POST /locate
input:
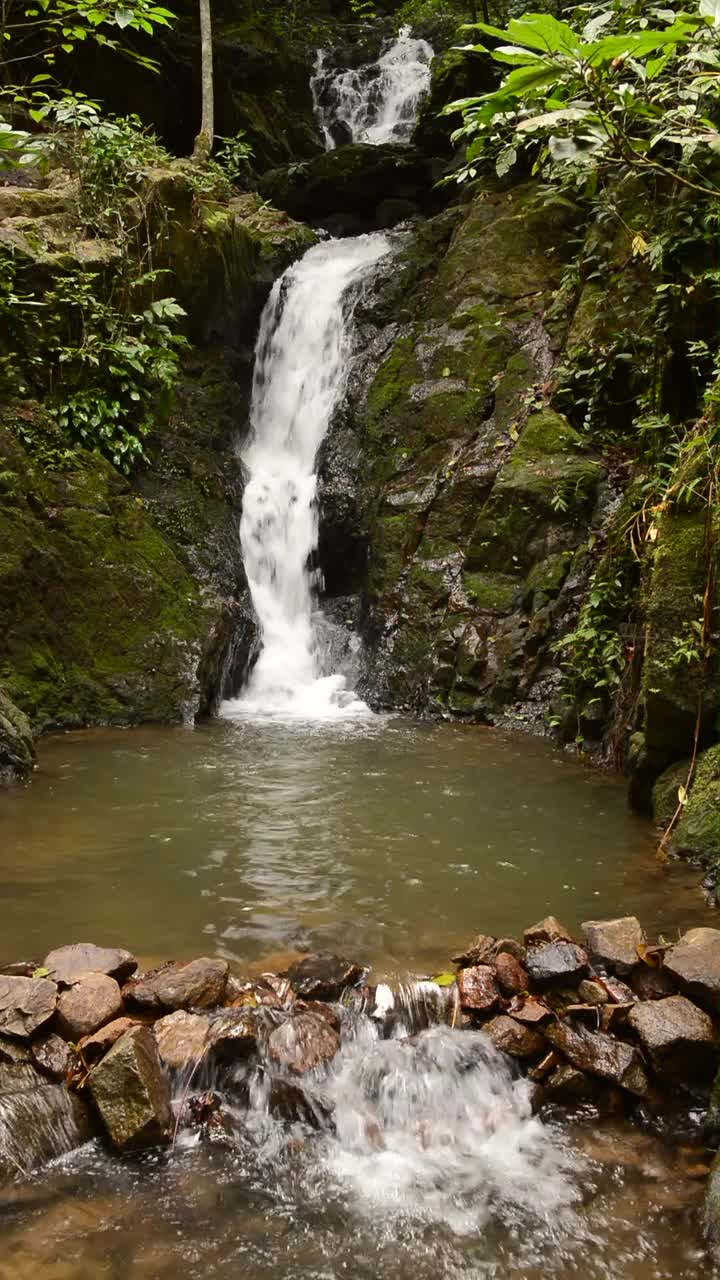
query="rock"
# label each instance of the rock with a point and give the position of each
(651, 984)
(678, 1037)
(182, 1039)
(52, 1056)
(613, 1016)
(512, 976)
(480, 951)
(600, 1055)
(529, 1010)
(199, 984)
(544, 1067)
(289, 1103)
(511, 947)
(567, 1084)
(592, 992)
(233, 1035)
(513, 1038)
(697, 831)
(548, 930)
(694, 963)
(65, 964)
(39, 1121)
(354, 178)
(93, 1047)
(478, 988)
(87, 1005)
(323, 976)
(17, 749)
(618, 992)
(303, 1042)
(614, 942)
(131, 1092)
(26, 1004)
(557, 962)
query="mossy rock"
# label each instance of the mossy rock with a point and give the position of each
(549, 468)
(491, 592)
(697, 832)
(17, 751)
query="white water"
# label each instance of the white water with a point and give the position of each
(301, 363)
(378, 102)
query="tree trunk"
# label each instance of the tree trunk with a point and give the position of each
(204, 141)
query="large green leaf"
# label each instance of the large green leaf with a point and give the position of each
(542, 31)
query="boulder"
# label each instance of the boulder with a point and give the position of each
(697, 832)
(614, 943)
(303, 1042)
(512, 976)
(26, 1004)
(87, 1005)
(182, 1039)
(17, 750)
(131, 1092)
(356, 178)
(694, 963)
(52, 1056)
(93, 1047)
(65, 964)
(199, 984)
(600, 1055)
(678, 1037)
(513, 1038)
(478, 988)
(561, 962)
(548, 930)
(323, 976)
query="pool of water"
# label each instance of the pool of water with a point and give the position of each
(394, 841)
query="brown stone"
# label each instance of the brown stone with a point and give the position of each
(556, 963)
(52, 1056)
(651, 984)
(618, 991)
(543, 1068)
(233, 1034)
(480, 951)
(182, 1039)
(26, 1004)
(478, 989)
(199, 984)
(678, 1037)
(68, 963)
(511, 975)
(303, 1042)
(511, 947)
(614, 1016)
(600, 1055)
(93, 1047)
(614, 943)
(548, 930)
(513, 1038)
(87, 1005)
(592, 992)
(323, 976)
(694, 963)
(528, 1009)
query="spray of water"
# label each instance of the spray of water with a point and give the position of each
(378, 102)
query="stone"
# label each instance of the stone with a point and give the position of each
(592, 992)
(651, 984)
(65, 964)
(26, 1004)
(694, 963)
(511, 947)
(561, 962)
(678, 1037)
(614, 1016)
(93, 1047)
(39, 1120)
(233, 1035)
(356, 177)
(52, 1056)
(618, 991)
(17, 749)
(513, 1038)
(200, 985)
(303, 1042)
(512, 976)
(480, 951)
(478, 989)
(529, 1010)
(548, 930)
(131, 1092)
(182, 1039)
(600, 1055)
(544, 1067)
(323, 976)
(291, 1104)
(567, 1084)
(87, 1005)
(614, 943)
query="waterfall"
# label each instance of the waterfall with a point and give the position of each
(374, 103)
(301, 362)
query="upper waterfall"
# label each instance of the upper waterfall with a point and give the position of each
(301, 363)
(377, 102)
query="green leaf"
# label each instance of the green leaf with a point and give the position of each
(551, 118)
(505, 161)
(444, 980)
(711, 9)
(123, 17)
(40, 972)
(542, 31)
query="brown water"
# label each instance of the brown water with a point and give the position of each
(395, 842)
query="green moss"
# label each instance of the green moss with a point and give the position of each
(547, 465)
(549, 575)
(491, 592)
(697, 832)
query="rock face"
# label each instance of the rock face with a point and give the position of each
(67, 963)
(697, 832)
(556, 961)
(131, 1092)
(600, 1055)
(323, 976)
(679, 1038)
(87, 1005)
(26, 1004)
(614, 943)
(353, 180)
(303, 1042)
(200, 984)
(694, 963)
(17, 749)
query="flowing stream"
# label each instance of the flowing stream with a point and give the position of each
(377, 102)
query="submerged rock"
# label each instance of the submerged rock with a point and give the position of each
(614, 942)
(26, 1004)
(131, 1092)
(199, 984)
(303, 1042)
(65, 964)
(87, 1005)
(557, 962)
(694, 963)
(323, 976)
(600, 1055)
(678, 1037)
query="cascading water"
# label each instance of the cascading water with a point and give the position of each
(301, 365)
(374, 103)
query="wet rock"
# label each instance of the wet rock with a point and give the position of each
(513, 1038)
(325, 1011)
(614, 1016)
(548, 930)
(567, 1084)
(323, 976)
(199, 984)
(182, 1039)
(233, 1035)
(592, 992)
(13, 1050)
(93, 1047)
(52, 1056)
(544, 1067)
(303, 1042)
(557, 962)
(87, 1005)
(510, 947)
(618, 992)
(512, 976)
(131, 1092)
(65, 964)
(651, 984)
(694, 963)
(38, 1120)
(599, 1055)
(288, 1102)
(529, 1010)
(614, 943)
(478, 989)
(26, 1004)
(678, 1037)
(480, 951)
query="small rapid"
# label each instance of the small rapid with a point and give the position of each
(301, 367)
(378, 102)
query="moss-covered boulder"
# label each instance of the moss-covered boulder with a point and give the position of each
(456, 73)
(697, 831)
(17, 751)
(354, 179)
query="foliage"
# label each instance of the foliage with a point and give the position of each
(42, 30)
